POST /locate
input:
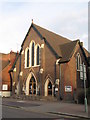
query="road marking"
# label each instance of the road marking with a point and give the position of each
(21, 101)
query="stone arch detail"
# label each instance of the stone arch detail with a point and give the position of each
(28, 81)
(46, 86)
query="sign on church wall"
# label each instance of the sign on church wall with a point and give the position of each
(5, 87)
(68, 88)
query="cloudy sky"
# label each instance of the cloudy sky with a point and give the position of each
(69, 19)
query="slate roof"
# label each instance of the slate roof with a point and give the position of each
(54, 39)
(86, 52)
(67, 50)
(62, 47)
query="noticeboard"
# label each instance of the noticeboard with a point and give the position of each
(68, 88)
(5, 87)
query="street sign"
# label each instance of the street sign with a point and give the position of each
(5, 87)
(68, 88)
(82, 71)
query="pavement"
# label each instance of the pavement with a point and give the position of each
(59, 107)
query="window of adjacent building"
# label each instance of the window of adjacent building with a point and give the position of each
(78, 61)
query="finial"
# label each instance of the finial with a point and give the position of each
(32, 20)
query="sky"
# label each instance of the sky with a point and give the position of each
(66, 18)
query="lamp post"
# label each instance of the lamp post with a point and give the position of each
(85, 98)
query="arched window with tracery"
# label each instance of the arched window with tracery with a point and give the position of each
(38, 53)
(78, 61)
(32, 86)
(28, 58)
(32, 59)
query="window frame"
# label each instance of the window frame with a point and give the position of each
(27, 58)
(26, 50)
(78, 61)
(36, 55)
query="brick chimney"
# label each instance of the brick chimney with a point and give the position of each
(81, 43)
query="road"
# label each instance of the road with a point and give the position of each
(32, 109)
(12, 112)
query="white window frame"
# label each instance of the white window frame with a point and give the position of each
(77, 61)
(36, 54)
(26, 57)
(31, 53)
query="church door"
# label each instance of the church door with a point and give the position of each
(49, 88)
(32, 86)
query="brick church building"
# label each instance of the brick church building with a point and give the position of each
(49, 65)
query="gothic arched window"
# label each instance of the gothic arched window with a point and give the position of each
(33, 54)
(28, 58)
(78, 61)
(38, 49)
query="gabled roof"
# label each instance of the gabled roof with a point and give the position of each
(7, 59)
(5, 74)
(86, 52)
(5, 63)
(13, 66)
(61, 47)
(67, 50)
(52, 39)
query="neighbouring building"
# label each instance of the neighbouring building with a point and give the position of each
(49, 65)
(6, 62)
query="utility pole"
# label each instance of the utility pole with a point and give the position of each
(60, 80)
(85, 99)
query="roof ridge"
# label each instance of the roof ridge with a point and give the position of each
(68, 51)
(50, 31)
(46, 41)
(14, 63)
(69, 42)
(53, 39)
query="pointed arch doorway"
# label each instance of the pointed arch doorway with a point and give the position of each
(48, 88)
(31, 85)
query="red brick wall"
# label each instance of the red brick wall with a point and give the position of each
(69, 76)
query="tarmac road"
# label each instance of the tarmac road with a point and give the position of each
(13, 108)
(12, 112)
